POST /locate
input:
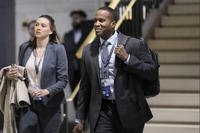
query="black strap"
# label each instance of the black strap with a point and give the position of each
(124, 40)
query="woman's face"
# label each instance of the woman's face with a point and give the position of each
(42, 28)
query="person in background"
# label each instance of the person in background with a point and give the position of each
(46, 63)
(72, 41)
(30, 28)
(111, 78)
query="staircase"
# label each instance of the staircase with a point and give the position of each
(177, 40)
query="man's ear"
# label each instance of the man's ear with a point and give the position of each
(113, 23)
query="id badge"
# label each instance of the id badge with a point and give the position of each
(105, 85)
(104, 74)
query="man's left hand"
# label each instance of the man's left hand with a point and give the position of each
(121, 53)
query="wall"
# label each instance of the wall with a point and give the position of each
(7, 34)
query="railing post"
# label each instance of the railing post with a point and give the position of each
(138, 19)
(133, 26)
(65, 116)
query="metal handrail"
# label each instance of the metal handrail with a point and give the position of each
(119, 22)
(74, 93)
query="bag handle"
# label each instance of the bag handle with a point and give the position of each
(124, 40)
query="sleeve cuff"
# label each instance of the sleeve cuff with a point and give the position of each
(127, 60)
(79, 121)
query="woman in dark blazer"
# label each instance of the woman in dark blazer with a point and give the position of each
(46, 63)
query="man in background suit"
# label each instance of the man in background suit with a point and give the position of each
(72, 41)
(111, 77)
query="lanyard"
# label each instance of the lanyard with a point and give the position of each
(37, 65)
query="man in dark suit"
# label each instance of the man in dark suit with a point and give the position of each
(72, 41)
(110, 91)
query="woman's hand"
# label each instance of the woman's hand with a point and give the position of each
(38, 92)
(12, 73)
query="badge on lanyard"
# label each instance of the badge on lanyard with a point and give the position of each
(105, 85)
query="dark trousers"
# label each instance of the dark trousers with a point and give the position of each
(74, 78)
(109, 122)
(40, 119)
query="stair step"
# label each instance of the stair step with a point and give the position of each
(186, 1)
(175, 115)
(180, 85)
(193, 20)
(179, 57)
(177, 32)
(170, 128)
(180, 71)
(184, 9)
(175, 100)
(165, 44)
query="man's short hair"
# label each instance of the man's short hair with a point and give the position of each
(113, 12)
(79, 12)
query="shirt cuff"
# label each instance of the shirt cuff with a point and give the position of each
(127, 60)
(79, 121)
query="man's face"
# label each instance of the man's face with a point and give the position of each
(76, 20)
(104, 24)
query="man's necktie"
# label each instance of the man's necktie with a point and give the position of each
(104, 54)
(105, 70)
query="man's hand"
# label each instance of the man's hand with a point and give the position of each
(121, 53)
(78, 128)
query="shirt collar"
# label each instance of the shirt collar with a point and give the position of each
(111, 39)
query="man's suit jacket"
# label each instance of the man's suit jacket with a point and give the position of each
(130, 101)
(72, 48)
(54, 75)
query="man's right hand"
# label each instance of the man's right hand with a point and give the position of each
(78, 128)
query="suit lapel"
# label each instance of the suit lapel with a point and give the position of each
(95, 50)
(72, 37)
(27, 54)
(46, 58)
(120, 37)
(118, 62)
